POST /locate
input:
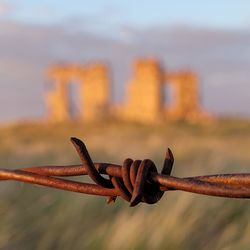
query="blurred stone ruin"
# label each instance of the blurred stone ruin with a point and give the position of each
(153, 94)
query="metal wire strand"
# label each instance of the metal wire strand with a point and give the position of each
(134, 181)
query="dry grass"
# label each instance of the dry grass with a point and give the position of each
(33, 217)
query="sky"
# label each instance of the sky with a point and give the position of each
(141, 14)
(209, 37)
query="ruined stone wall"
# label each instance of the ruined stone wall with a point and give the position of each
(144, 97)
(57, 98)
(93, 94)
(185, 86)
(144, 92)
(57, 103)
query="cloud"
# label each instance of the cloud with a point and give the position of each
(221, 59)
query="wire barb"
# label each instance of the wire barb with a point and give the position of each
(134, 181)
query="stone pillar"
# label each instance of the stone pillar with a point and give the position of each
(186, 104)
(144, 92)
(94, 92)
(58, 103)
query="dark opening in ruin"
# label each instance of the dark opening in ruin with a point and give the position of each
(168, 95)
(74, 100)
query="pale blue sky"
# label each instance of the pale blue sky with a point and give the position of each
(225, 14)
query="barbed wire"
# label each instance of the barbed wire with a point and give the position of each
(134, 181)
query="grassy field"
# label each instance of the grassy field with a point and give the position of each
(34, 217)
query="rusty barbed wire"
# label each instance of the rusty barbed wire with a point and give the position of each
(135, 181)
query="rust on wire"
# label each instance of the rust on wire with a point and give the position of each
(134, 181)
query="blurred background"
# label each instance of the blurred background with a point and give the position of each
(210, 38)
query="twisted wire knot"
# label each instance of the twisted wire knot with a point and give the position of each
(134, 186)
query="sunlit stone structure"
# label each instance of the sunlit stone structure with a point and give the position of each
(147, 100)
(144, 101)
(93, 92)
